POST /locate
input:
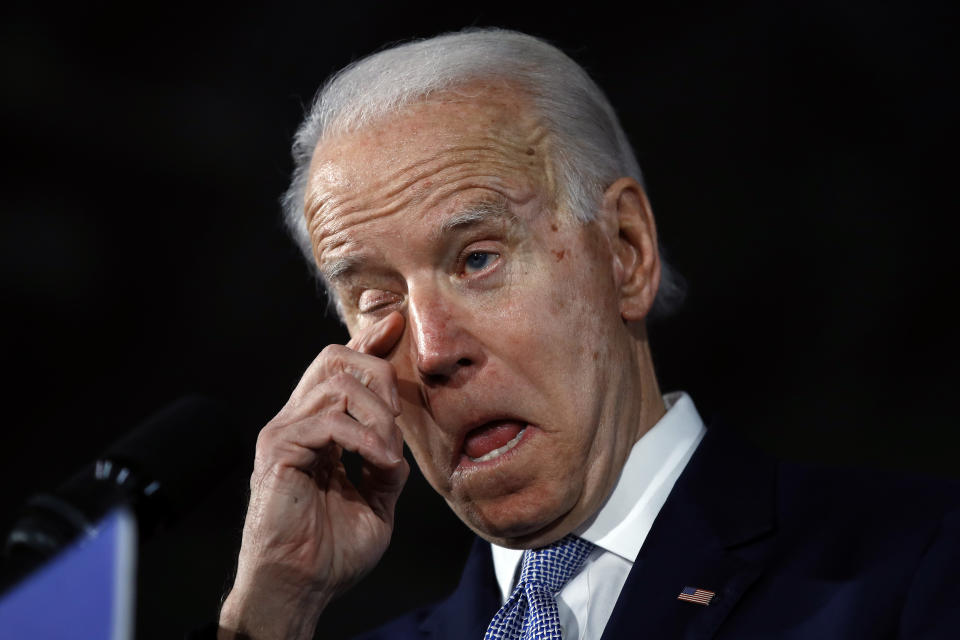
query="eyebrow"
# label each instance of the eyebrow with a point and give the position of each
(477, 214)
(341, 267)
(493, 210)
(338, 268)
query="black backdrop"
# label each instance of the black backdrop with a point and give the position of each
(799, 156)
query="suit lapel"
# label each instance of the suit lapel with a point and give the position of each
(711, 534)
(471, 607)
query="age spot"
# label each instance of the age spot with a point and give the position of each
(530, 151)
(554, 227)
(559, 254)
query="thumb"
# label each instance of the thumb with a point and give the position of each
(381, 486)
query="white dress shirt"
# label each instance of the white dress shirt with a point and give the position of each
(622, 524)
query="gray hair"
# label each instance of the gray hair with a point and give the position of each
(589, 147)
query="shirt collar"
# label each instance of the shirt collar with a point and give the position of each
(653, 466)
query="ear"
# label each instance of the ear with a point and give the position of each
(633, 240)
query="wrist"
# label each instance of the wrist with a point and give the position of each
(269, 614)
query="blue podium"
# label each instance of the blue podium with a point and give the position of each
(85, 592)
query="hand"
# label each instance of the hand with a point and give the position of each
(310, 533)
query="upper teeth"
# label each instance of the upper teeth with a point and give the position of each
(501, 450)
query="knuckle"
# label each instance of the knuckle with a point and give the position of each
(369, 439)
(365, 376)
(339, 382)
(270, 442)
(334, 357)
(333, 351)
(266, 438)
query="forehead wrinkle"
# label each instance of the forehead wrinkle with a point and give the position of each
(327, 207)
(481, 166)
(329, 220)
(332, 220)
(513, 153)
(496, 142)
(495, 148)
(330, 213)
(493, 157)
(463, 157)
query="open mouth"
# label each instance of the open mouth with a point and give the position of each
(493, 439)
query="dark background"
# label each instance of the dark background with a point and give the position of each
(800, 158)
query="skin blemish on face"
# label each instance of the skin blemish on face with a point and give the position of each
(554, 227)
(558, 305)
(559, 254)
(531, 151)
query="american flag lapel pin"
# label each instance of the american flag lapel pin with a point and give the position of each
(697, 596)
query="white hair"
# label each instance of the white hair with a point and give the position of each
(589, 149)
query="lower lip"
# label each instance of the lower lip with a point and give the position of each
(467, 463)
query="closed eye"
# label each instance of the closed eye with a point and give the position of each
(373, 300)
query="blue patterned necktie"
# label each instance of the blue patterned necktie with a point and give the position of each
(531, 612)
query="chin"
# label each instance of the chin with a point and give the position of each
(519, 521)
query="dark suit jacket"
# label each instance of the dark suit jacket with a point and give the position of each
(791, 551)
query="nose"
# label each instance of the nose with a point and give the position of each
(443, 348)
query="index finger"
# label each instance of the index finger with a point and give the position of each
(362, 357)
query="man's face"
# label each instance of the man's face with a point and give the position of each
(514, 356)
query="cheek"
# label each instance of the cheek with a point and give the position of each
(422, 437)
(582, 301)
(414, 420)
(579, 337)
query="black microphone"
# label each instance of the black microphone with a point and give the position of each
(160, 470)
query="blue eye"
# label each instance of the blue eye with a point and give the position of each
(478, 260)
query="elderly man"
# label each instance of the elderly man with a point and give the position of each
(478, 217)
